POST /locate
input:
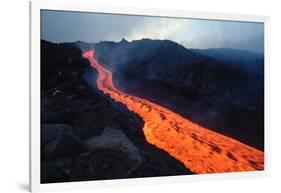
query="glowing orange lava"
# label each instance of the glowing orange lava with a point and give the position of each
(199, 149)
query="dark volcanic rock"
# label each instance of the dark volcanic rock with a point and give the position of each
(74, 144)
(111, 155)
(51, 173)
(52, 131)
(83, 168)
(110, 150)
(59, 141)
(116, 140)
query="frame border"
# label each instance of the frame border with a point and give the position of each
(34, 97)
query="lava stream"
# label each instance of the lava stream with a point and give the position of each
(199, 149)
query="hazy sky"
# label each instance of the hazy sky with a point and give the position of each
(59, 26)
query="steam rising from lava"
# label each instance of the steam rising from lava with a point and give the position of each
(199, 149)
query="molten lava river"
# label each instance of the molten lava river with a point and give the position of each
(199, 149)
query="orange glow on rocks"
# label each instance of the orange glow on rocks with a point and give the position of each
(199, 149)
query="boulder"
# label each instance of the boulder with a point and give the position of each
(59, 141)
(51, 173)
(113, 155)
(83, 168)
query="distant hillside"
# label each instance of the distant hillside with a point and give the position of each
(230, 54)
(246, 60)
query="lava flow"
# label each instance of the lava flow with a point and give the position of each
(199, 149)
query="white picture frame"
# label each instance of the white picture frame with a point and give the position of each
(36, 6)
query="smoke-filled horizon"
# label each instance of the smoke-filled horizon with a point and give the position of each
(62, 26)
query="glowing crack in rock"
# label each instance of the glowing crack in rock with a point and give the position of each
(199, 149)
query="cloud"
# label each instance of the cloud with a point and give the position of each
(157, 28)
(61, 26)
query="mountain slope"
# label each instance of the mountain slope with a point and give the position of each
(248, 61)
(210, 91)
